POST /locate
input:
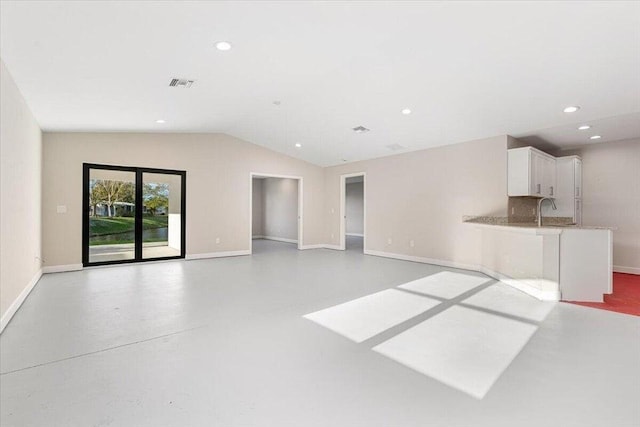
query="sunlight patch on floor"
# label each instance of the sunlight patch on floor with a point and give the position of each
(463, 348)
(466, 345)
(510, 301)
(446, 284)
(370, 315)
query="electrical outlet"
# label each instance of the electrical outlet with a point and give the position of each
(412, 243)
(389, 241)
(333, 210)
(331, 236)
(217, 240)
(533, 211)
(513, 211)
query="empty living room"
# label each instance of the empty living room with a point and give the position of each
(319, 213)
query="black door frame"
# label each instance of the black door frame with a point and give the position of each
(86, 167)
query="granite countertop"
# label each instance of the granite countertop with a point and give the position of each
(550, 223)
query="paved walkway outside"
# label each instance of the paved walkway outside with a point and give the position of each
(102, 253)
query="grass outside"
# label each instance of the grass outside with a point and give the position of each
(100, 226)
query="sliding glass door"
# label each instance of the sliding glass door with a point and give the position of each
(132, 214)
(162, 215)
(111, 209)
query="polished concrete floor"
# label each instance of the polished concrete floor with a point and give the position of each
(354, 243)
(224, 342)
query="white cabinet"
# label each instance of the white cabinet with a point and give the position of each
(577, 177)
(531, 173)
(548, 180)
(586, 272)
(569, 194)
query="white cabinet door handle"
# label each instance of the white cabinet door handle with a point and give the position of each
(538, 191)
(551, 188)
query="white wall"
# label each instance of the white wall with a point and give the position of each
(20, 193)
(257, 204)
(280, 198)
(422, 196)
(611, 196)
(218, 170)
(354, 208)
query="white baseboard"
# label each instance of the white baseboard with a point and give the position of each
(190, 257)
(628, 270)
(279, 239)
(257, 237)
(333, 247)
(305, 247)
(61, 268)
(15, 305)
(520, 285)
(422, 260)
(355, 234)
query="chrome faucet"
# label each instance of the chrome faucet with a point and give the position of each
(540, 201)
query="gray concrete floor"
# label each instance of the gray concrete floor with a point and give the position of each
(354, 243)
(222, 342)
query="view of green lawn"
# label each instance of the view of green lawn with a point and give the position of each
(100, 226)
(119, 229)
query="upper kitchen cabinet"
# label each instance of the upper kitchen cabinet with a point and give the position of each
(569, 197)
(531, 173)
(569, 173)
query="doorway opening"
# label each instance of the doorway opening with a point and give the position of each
(275, 207)
(353, 204)
(132, 214)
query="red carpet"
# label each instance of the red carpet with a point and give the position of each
(625, 297)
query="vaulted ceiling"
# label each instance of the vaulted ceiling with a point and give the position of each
(308, 72)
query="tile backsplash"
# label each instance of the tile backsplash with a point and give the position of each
(522, 209)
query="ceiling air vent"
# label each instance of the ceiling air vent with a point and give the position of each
(360, 129)
(184, 83)
(396, 147)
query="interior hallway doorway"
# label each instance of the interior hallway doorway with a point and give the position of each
(276, 208)
(352, 212)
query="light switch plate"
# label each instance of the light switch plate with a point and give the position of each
(61, 209)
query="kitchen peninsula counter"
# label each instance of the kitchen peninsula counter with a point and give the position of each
(556, 261)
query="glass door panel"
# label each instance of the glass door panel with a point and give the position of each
(112, 215)
(161, 215)
(132, 214)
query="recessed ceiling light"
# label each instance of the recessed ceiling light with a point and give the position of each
(298, 145)
(595, 137)
(406, 111)
(223, 45)
(160, 121)
(584, 127)
(571, 109)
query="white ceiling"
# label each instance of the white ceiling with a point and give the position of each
(467, 70)
(568, 136)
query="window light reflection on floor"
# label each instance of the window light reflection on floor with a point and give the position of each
(466, 344)
(370, 315)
